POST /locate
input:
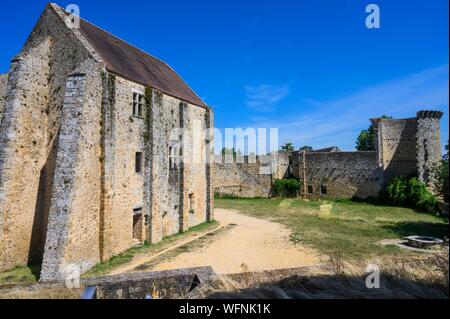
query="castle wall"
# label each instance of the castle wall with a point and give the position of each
(70, 195)
(3, 84)
(397, 147)
(344, 174)
(72, 242)
(246, 178)
(31, 120)
(165, 182)
(123, 186)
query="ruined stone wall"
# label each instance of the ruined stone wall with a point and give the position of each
(343, 174)
(397, 147)
(31, 120)
(245, 179)
(74, 218)
(3, 84)
(124, 187)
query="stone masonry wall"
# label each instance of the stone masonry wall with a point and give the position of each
(124, 188)
(69, 189)
(245, 178)
(250, 177)
(343, 174)
(31, 120)
(73, 227)
(195, 210)
(165, 182)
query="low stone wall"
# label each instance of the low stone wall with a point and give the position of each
(170, 284)
(341, 175)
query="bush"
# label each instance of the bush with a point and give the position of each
(412, 193)
(286, 187)
(440, 177)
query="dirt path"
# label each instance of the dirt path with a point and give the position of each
(252, 245)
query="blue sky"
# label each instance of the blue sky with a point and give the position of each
(310, 68)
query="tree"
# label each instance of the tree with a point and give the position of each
(288, 147)
(440, 176)
(367, 138)
(306, 148)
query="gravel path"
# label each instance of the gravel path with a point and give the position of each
(252, 245)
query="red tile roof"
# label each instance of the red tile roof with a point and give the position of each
(127, 61)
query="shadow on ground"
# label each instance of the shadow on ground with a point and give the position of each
(338, 287)
(420, 228)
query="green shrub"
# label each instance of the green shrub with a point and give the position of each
(397, 191)
(412, 193)
(286, 187)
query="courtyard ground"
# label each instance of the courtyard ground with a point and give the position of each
(245, 244)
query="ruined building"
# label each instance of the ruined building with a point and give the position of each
(405, 147)
(89, 164)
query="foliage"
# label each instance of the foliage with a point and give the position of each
(288, 147)
(412, 193)
(367, 138)
(286, 187)
(306, 148)
(440, 177)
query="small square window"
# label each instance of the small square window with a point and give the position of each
(323, 190)
(138, 104)
(138, 162)
(310, 189)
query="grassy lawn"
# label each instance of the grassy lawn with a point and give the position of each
(351, 228)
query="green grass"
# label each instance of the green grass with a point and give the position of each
(21, 275)
(126, 257)
(351, 228)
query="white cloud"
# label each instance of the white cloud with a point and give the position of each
(264, 97)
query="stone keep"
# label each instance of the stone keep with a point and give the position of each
(89, 162)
